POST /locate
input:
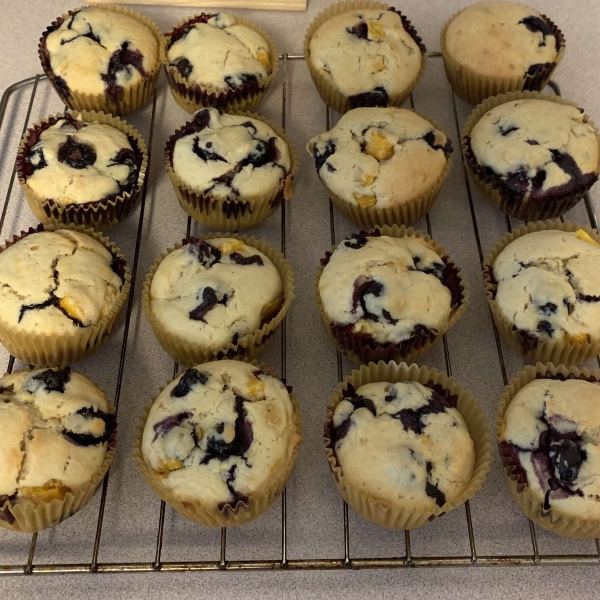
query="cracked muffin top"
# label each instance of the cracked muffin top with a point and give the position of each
(552, 435)
(548, 285)
(390, 289)
(96, 51)
(215, 291)
(380, 157)
(54, 432)
(501, 39)
(74, 162)
(368, 55)
(539, 149)
(220, 432)
(403, 443)
(229, 156)
(55, 282)
(219, 53)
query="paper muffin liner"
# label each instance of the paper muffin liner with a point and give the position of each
(53, 349)
(228, 515)
(249, 345)
(474, 88)
(333, 97)
(193, 98)
(29, 516)
(99, 215)
(559, 352)
(232, 213)
(131, 98)
(369, 505)
(363, 349)
(406, 213)
(554, 519)
(495, 191)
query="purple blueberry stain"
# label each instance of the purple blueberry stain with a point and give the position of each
(163, 427)
(76, 154)
(191, 378)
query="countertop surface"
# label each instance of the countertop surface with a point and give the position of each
(315, 525)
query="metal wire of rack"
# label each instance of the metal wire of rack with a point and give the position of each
(284, 563)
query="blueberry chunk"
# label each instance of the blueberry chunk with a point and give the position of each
(535, 24)
(205, 253)
(363, 287)
(238, 259)
(163, 427)
(504, 131)
(244, 78)
(204, 153)
(412, 419)
(54, 381)
(209, 301)
(549, 308)
(546, 327)
(85, 439)
(76, 154)
(36, 159)
(183, 65)
(321, 154)
(566, 458)
(357, 242)
(360, 30)
(122, 59)
(376, 97)
(187, 381)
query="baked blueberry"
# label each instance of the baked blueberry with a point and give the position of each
(404, 444)
(225, 440)
(550, 440)
(55, 427)
(380, 157)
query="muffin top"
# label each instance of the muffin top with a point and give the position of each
(214, 291)
(56, 282)
(538, 148)
(501, 39)
(74, 162)
(388, 288)
(219, 53)
(549, 285)
(230, 155)
(552, 434)
(54, 429)
(380, 157)
(368, 55)
(97, 51)
(220, 432)
(404, 443)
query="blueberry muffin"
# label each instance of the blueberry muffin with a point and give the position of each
(368, 56)
(386, 297)
(220, 442)
(382, 164)
(531, 157)
(404, 443)
(545, 288)
(60, 293)
(230, 171)
(81, 171)
(496, 47)
(55, 430)
(219, 60)
(102, 58)
(550, 445)
(209, 296)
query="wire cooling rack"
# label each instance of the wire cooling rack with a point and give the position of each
(348, 561)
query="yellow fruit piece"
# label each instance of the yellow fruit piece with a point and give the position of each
(169, 465)
(576, 339)
(365, 201)
(71, 307)
(270, 309)
(375, 29)
(232, 246)
(255, 386)
(379, 148)
(379, 63)
(263, 57)
(584, 237)
(367, 179)
(51, 490)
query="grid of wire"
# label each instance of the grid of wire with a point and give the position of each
(284, 563)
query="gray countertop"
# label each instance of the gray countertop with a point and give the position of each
(315, 526)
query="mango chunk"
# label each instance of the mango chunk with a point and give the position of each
(378, 147)
(365, 201)
(263, 57)
(255, 386)
(584, 237)
(375, 30)
(233, 246)
(576, 339)
(51, 490)
(367, 179)
(71, 307)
